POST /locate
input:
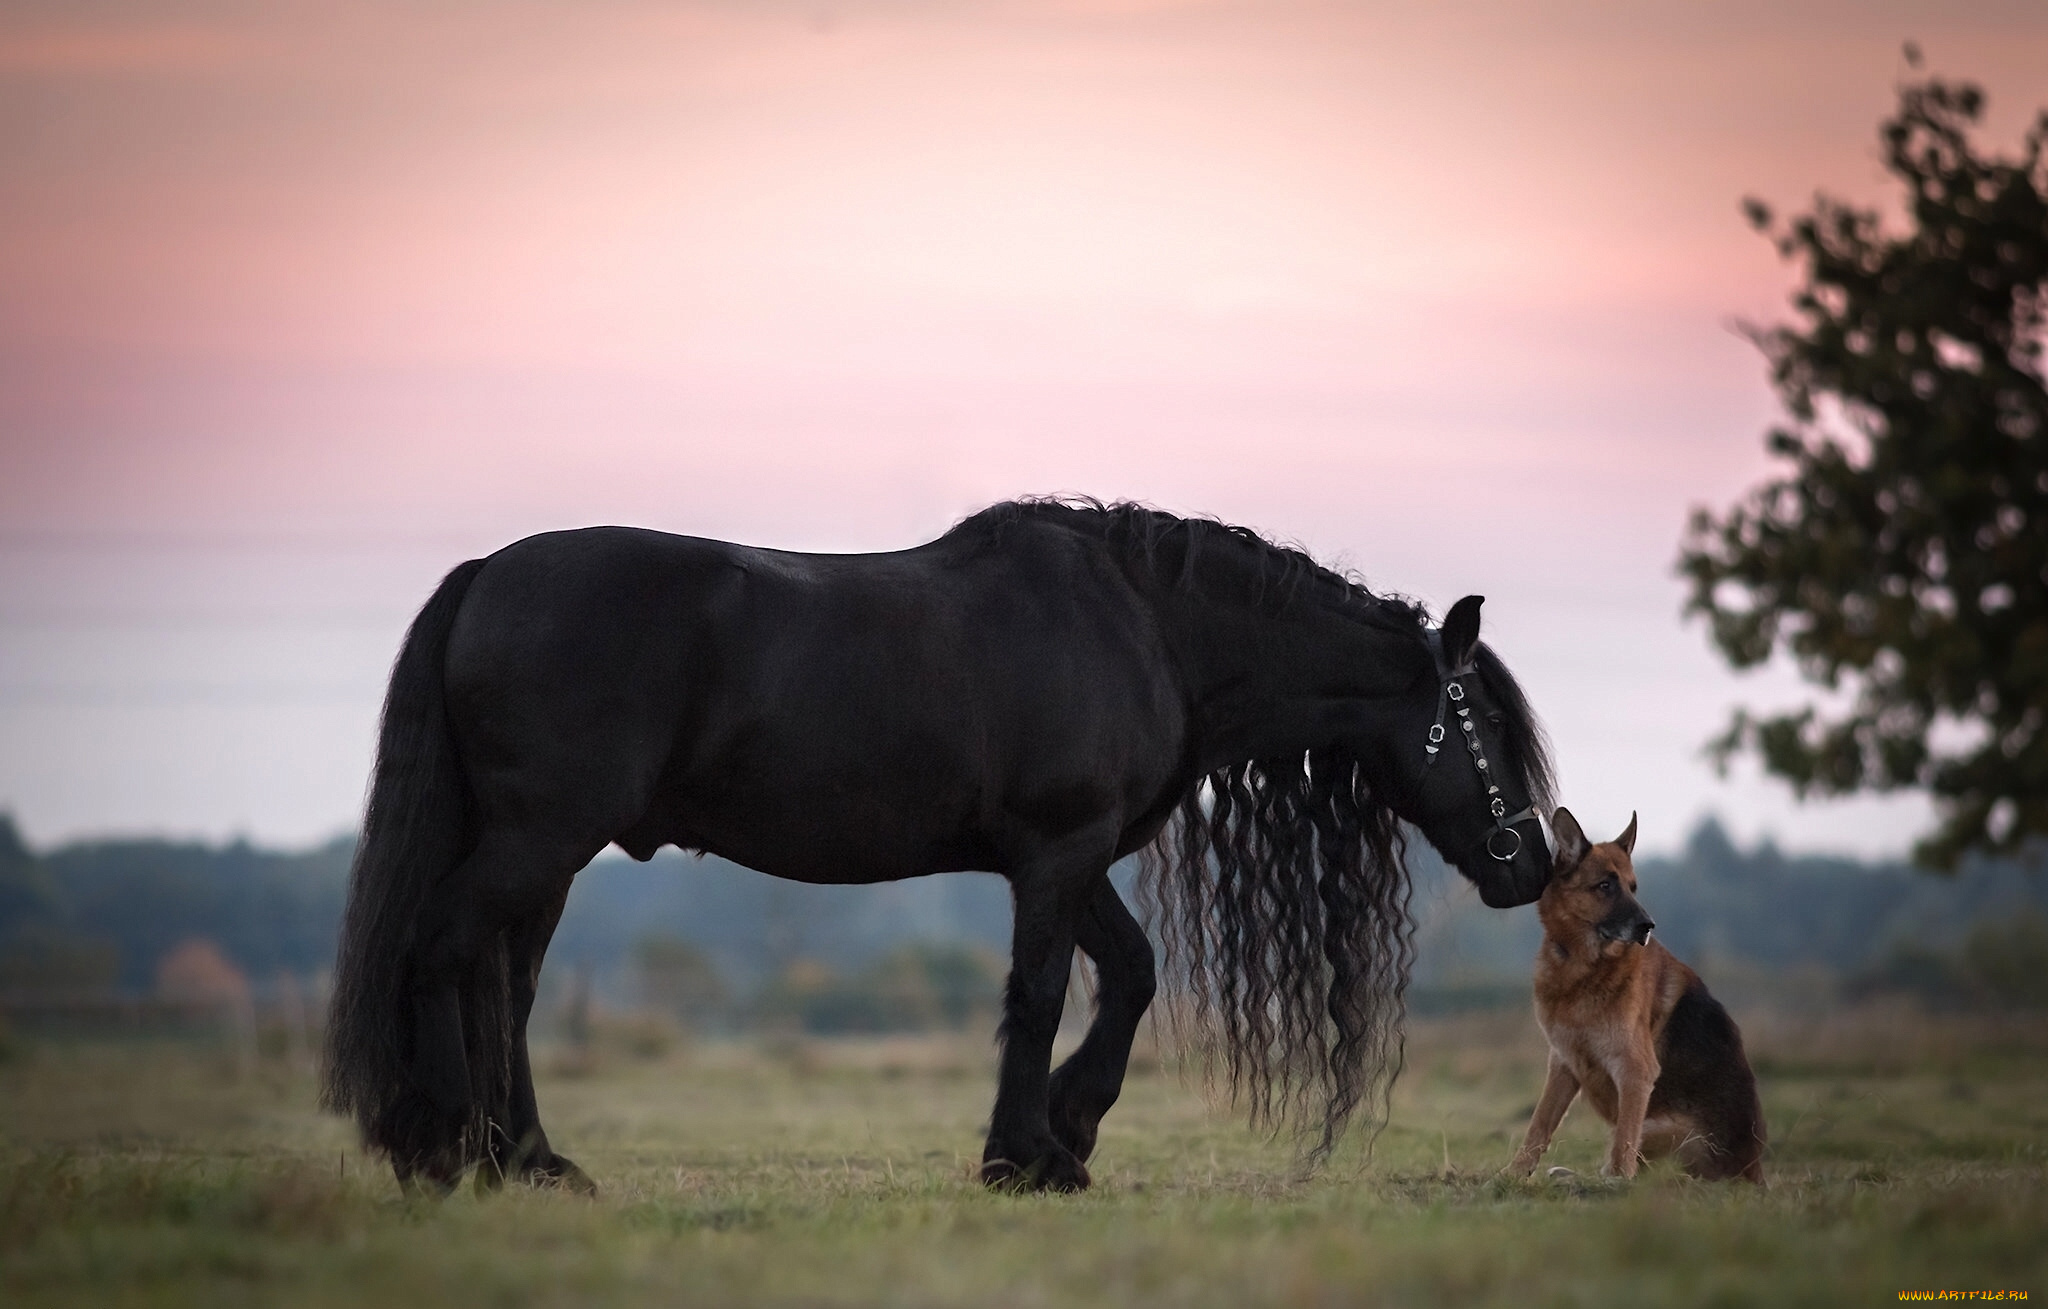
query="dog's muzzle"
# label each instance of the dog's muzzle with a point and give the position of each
(1634, 932)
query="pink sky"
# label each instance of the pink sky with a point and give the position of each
(298, 304)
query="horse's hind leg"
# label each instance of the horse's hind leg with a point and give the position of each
(1087, 1084)
(467, 997)
(519, 1146)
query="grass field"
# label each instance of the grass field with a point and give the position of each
(1907, 1155)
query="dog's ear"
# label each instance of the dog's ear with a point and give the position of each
(1572, 844)
(1627, 840)
(1461, 630)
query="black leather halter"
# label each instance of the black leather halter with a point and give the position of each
(1451, 693)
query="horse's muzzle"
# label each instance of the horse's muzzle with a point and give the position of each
(1504, 886)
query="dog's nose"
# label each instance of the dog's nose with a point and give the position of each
(1643, 930)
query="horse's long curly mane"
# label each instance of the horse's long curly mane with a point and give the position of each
(1280, 890)
(1280, 893)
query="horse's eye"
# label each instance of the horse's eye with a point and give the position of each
(1496, 718)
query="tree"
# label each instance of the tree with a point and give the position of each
(26, 891)
(1902, 561)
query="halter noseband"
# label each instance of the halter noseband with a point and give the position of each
(1450, 691)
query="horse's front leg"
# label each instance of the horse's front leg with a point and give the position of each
(1022, 1152)
(1088, 1083)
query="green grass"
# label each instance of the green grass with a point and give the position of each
(1906, 1156)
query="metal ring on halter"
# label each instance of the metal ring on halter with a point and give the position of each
(1452, 691)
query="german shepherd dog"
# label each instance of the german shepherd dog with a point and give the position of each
(1633, 1028)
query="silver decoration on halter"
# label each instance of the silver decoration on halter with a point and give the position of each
(1450, 692)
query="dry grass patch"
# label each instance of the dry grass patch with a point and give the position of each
(832, 1173)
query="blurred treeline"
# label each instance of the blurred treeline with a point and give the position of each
(106, 913)
(715, 947)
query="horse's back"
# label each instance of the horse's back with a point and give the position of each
(791, 709)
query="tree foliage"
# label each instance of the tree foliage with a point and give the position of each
(1902, 560)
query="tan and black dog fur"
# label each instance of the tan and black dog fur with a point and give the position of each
(1632, 1027)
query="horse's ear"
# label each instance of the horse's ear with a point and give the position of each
(1572, 844)
(1461, 630)
(1627, 840)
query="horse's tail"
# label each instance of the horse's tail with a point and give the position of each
(417, 828)
(1281, 893)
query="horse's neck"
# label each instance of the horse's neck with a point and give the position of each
(1271, 684)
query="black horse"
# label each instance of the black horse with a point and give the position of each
(1049, 687)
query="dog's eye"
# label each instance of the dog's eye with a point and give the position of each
(1606, 887)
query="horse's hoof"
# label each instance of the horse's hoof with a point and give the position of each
(432, 1174)
(562, 1173)
(1001, 1175)
(1056, 1170)
(1065, 1174)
